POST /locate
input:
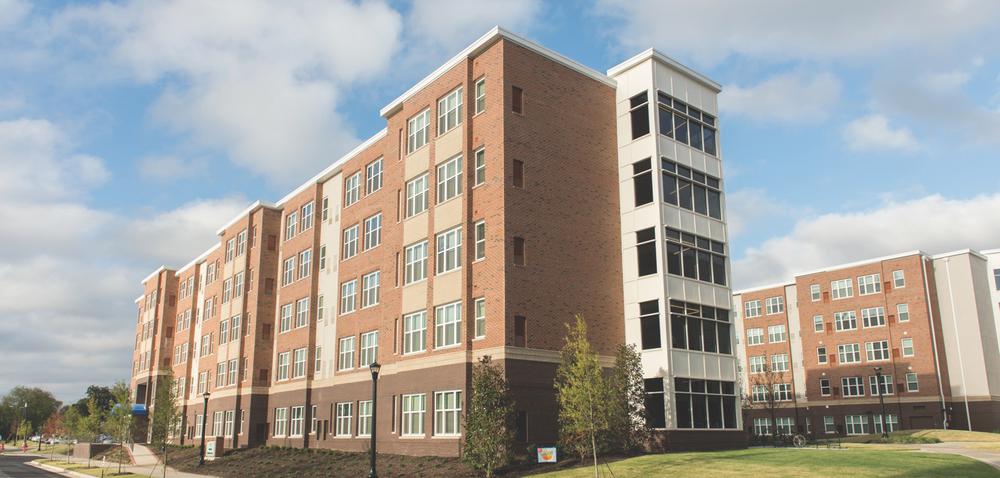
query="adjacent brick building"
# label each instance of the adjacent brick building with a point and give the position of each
(927, 324)
(498, 202)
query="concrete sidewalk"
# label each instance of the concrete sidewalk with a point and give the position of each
(959, 448)
(154, 470)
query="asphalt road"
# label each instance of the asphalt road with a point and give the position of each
(16, 467)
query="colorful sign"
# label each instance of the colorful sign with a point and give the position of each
(547, 454)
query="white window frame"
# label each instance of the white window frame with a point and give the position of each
(873, 317)
(848, 351)
(914, 384)
(449, 179)
(479, 167)
(480, 92)
(305, 263)
(818, 324)
(370, 283)
(308, 214)
(287, 317)
(280, 421)
(825, 389)
(345, 353)
(841, 289)
(898, 279)
(846, 320)
(291, 224)
(416, 195)
(302, 312)
(903, 310)
(299, 363)
(448, 413)
(479, 309)
(888, 385)
(369, 348)
(373, 176)
(777, 334)
(350, 242)
(284, 360)
(821, 355)
(297, 421)
(415, 332)
(877, 351)
(755, 336)
(782, 392)
(829, 425)
(348, 296)
(479, 240)
(448, 247)
(856, 424)
(780, 363)
(774, 305)
(815, 294)
(448, 325)
(352, 189)
(345, 416)
(364, 418)
(414, 407)
(905, 344)
(757, 363)
(415, 263)
(751, 309)
(449, 109)
(869, 284)
(418, 130)
(288, 275)
(373, 231)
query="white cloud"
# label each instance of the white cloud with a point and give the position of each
(12, 12)
(36, 164)
(169, 167)
(933, 224)
(945, 81)
(787, 97)
(873, 133)
(708, 32)
(468, 19)
(747, 209)
(179, 235)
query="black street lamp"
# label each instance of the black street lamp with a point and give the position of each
(881, 399)
(24, 419)
(374, 367)
(204, 419)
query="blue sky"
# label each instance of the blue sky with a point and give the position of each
(130, 131)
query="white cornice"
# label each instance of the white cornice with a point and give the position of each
(656, 55)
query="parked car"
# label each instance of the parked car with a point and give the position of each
(103, 439)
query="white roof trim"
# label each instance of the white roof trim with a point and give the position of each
(251, 208)
(154, 273)
(140, 298)
(916, 252)
(764, 287)
(332, 169)
(653, 53)
(495, 33)
(199, 259)
(990, 251)
(958, 253)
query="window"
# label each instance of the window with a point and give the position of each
(283, 359)
(289, 271)
(907, 346)
(774, 305)
(821, 356)
(877, 351)
(678, 119)
(418, 130)
(705, 403)
(299, 366)
(227, 290)
(480, 241)
(891, 423)
(447, 324)
(783, 392)
(903, 312)
(291, 224)
(449, 250)
(308, 213)
(700, 327)
(639, 114)
(450, 111)
(480, 95)
(841, 289)
(230, 249)
(691, 190)
(649, 324)
(642, 182)
(646, 251)
(912, 385)
(352, 189)
(345, 360)
(369, 348)
(373, 231)
(845, 320)
(829, 426)
(776, 333)
(348, 290)
(517, 174)
(280, 421)
(996, 278)
(759, 393)
(416, 196)
(415, 263)
(326, 208)
(365, 418)
(779, 363)
(220, 374)
(869, 284)
(480, 311)
(322, 258)
(480, 172)
(755, 336)
(757, 364)
(852, 386)
(783, 425)
(519, 251)
(238, 284)
(814, 293)
(824, 387)
(654, 403)
(849, 353)
(887, 385)
(414, 407)
(351, 242)
(286, 318)
(449, 179)
(298, 417)
(695, 257)
(817, 323)
(302, 312)
(447, 413)
(873, 317)
(751, 309)
(761, 426)
(369, 289)
(415, 332)
(223, 331)
(898, 281)
(343, 420)
(373, 176)
(856, 424)
(517, 100)
(305, 263)
(317, 363)
(241, 242)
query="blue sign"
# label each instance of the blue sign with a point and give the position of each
(139, 410)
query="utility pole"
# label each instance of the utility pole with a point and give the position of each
(881, 399)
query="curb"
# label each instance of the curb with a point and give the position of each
(58, 470)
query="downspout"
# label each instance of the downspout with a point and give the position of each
(937, 363)
(961, 363)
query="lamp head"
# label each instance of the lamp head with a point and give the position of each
(375, 367)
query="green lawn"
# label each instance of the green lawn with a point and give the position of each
(803, 463)
(93, 470)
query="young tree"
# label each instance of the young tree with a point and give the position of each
(120, 417)
(764, 386)
(489, 431)
(582, 394)
(629, 431)
(165, 410)
(53, 427)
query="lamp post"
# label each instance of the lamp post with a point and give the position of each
(374, 367)
(204, 418)
(881, 399)
(24, 419)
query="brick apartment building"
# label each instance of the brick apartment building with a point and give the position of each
(929, 323)
(510, 189)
